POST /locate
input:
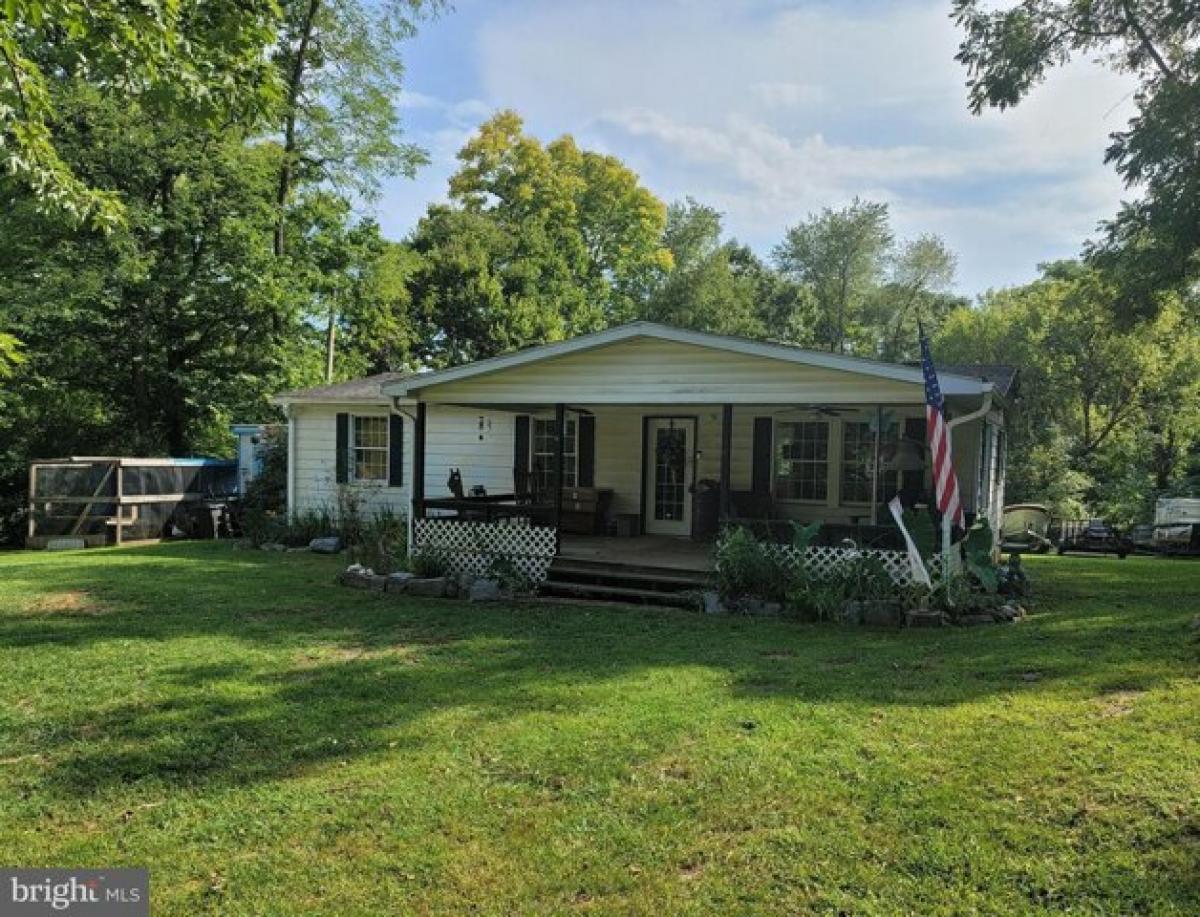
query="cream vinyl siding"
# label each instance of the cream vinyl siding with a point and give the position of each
(619, 448)
(643, 371)
(315, 480)
(453, 440)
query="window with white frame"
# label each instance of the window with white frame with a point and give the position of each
(802, 460)
(859, 462)
(369, 449)
(542, 448)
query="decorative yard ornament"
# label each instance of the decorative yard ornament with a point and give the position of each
(916, 563)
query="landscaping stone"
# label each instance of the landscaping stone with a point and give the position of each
(973, 619)
(432, 586)
(273, 546)
(872, 614)
(330, 544)
(362, 579)
(484, 590)
(923, 617)
(712, 603)
(398, 581)
(760, 607)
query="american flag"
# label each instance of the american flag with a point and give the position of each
(945, 481)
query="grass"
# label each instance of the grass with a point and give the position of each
(268, 743)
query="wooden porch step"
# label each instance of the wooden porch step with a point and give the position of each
(580, 578)
(606, 592)
(665, 579)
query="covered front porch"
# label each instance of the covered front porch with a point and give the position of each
(643, 431)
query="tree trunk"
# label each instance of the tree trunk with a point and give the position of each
(294, 83)
(330, 342)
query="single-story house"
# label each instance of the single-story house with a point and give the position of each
(664, 432)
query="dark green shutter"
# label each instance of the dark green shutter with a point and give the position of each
(521, 455)
(587, 450)
(396, 451)
(343, 448)
(760, 477)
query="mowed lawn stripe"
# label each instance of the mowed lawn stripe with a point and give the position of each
(267, 742)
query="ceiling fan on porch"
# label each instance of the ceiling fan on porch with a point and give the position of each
(824, 410)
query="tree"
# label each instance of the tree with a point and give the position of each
(205, 61)
(341, 69)
(539, 243)
(147, 338)
(1152, 242)
(10, 354)
(603, 229)
(1107, 415)
(719, 286)
(357, 281)
(840, 256)
(917, 288)
(477, 290)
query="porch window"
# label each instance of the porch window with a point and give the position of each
(370, 449)
(802, 460)
(858, 459)
(542, 459)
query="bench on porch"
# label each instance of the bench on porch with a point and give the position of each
(758, 513)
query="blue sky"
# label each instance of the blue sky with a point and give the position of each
(769, 110)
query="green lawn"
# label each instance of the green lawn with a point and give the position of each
(267, 742)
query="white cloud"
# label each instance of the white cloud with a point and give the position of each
(772, 112)
(782, 94)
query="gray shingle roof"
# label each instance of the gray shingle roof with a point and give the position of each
(368, 388)
(1003, 378)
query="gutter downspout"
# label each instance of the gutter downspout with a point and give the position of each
(290, 414)
(408, 514)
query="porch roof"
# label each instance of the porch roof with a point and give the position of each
(647, 363)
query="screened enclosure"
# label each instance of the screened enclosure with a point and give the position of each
(98, 501)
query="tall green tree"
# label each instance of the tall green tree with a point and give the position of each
(718, 285)
(1107, 414)
(206, 61)
(144, 339)
(540, 242)
(341, 68)
(917, 290)
(1153, 241)
(840, 256)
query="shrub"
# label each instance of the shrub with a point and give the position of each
(429, 561)
(747, 567)
(512, 578)
(382, 541)
(261, 511)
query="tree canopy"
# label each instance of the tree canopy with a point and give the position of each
(1152, 243)
(1108, 414)
(207, 62)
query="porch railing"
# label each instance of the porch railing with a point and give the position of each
(472, 546)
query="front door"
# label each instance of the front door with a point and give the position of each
(671, 443)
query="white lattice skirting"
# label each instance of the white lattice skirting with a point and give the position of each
(470, 547)
(822, 561)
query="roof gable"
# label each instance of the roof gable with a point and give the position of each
(698, 352)
(367, 389)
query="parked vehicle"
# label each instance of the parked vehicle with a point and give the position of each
(1024, 529)
(1093, 536)
(1142, 536)
(1177, 525)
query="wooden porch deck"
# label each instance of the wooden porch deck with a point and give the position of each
(662, 551)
